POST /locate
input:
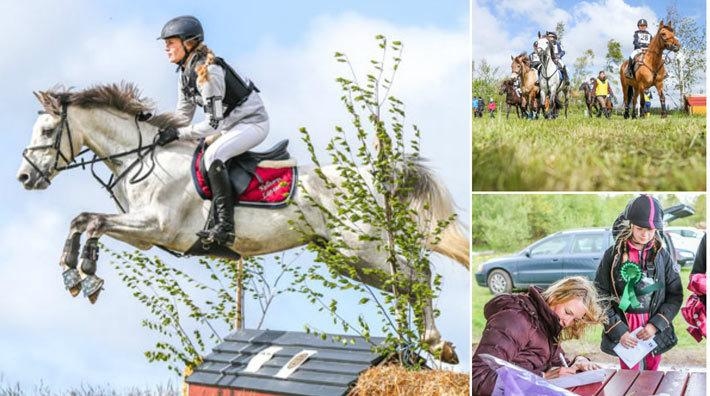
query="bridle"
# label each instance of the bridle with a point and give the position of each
(70, 162)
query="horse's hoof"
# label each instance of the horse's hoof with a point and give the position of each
(72, 281)
(446, 352)
(92, 286)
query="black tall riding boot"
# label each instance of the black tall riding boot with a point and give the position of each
(222, 205)
(630, 68)
(565, 76)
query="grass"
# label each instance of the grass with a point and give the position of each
(589, 344)
(583, 154)
(15, 389)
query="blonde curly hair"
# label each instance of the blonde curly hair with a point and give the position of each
(570, 288)
(201, 49)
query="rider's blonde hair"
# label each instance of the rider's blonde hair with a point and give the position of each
(201, 70)
(570, 288)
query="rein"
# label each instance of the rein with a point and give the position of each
(71, 161)
(662, 46)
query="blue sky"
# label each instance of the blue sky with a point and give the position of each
(508, 27)
(288, 50)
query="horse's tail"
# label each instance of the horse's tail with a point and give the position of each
(433, 202)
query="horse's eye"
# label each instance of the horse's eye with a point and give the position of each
(47, 132)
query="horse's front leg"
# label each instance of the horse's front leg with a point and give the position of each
(70, 253)
(137, 229)
(662, 99)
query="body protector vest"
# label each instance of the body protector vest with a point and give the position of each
(602, 88)
(236, 89)
(642, 39)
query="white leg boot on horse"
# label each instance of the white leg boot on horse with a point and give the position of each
(222, 232)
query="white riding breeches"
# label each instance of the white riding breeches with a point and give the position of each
(239, 139)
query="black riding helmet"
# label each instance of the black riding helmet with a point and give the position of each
(642, 22)
(185, 27)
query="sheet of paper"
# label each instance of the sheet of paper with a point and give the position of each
(260, 358)
(579, 379)
(631, 356)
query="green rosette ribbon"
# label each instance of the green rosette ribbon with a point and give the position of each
(631, 274)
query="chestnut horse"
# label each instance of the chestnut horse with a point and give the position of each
(520, 68)
(649, 71)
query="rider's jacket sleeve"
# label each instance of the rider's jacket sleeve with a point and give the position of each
(213, 87)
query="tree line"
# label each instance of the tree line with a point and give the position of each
(507, 223)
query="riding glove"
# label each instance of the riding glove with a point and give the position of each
(166, 136)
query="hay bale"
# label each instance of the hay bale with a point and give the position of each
(396, 380)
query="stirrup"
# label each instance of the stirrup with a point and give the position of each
(210, 236)
(72, 281)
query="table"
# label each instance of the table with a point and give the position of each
(645, 383)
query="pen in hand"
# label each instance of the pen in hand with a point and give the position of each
(564, 362)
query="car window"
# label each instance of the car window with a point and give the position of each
(589, 243)
(557, 245)
(687, 233)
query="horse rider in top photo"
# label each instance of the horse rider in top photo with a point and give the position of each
(642, 38)
(232, 107)
(558, 51)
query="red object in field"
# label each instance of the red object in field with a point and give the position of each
(695, 104)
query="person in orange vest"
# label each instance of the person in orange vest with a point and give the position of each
(602, 93)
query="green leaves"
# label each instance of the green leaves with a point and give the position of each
(371, 205)
(189, 312)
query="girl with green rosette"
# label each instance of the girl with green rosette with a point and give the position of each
(641, 283)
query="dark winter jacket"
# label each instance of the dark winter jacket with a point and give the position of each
(520, 328)
(664, 306)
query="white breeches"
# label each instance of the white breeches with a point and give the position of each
(235, 141)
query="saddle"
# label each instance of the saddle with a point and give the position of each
(636, 63)
(260, 179)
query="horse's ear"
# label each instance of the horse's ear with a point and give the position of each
(660, 24)
(512, 57)
(538, 34)
(49, 102)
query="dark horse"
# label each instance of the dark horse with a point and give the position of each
(512, 98)
(589, 98)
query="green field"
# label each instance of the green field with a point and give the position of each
(583, 154)
(687, 352)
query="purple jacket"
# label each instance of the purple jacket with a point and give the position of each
(520, 328)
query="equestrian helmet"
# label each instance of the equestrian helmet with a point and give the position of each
(645, 211)
(642, 22)
(185, 27)
(552, 34)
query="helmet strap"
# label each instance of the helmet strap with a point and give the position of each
(188, 53)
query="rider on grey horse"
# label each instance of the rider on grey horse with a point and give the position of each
(642, 39)
(232, 108)
(535, 58)
(558, 52)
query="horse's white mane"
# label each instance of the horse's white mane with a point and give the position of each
(124, 97)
